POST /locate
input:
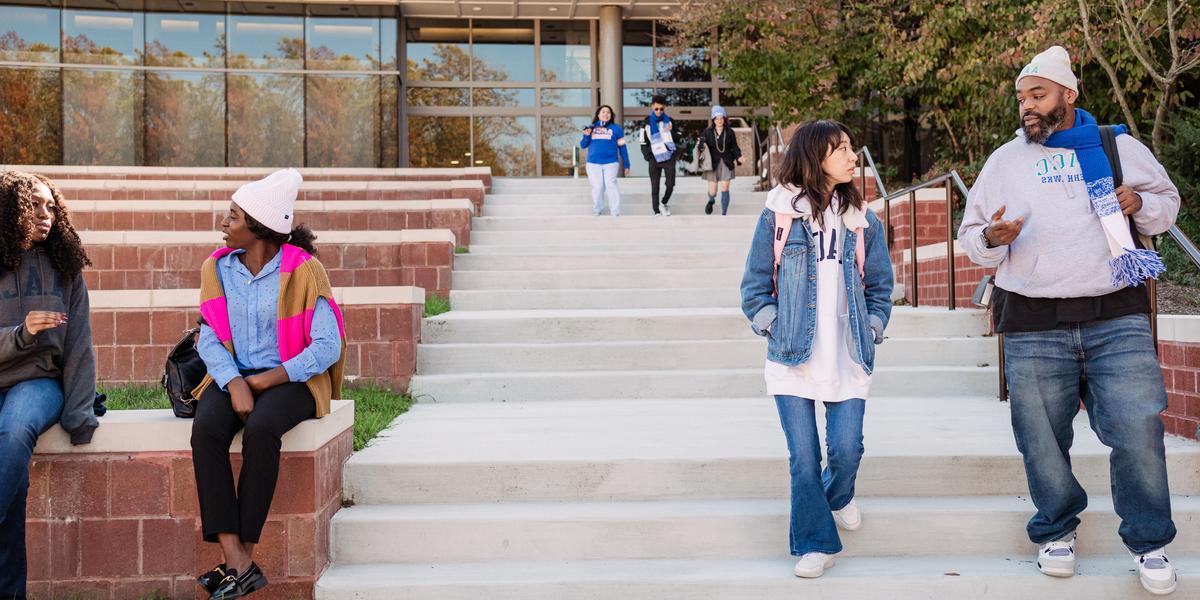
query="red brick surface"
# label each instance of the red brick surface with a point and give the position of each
(1180, 364)
(381, 349)
(98, 545)
(126, 267)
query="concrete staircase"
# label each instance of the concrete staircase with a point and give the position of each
(592, 424)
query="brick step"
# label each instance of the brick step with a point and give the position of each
(133, 330)
(57, 172)
(205, 215)
(160, 190)
(172, 259)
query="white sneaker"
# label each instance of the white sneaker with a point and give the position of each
(1155, 572)
(849, 517)
(666, 210)
(813, 564)
(1057, 558)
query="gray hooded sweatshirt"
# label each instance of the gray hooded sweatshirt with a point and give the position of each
(64, 353)
(1061, 251)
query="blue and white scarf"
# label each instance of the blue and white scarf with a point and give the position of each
(661, 144)
(1130, 265)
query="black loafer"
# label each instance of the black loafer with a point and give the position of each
(211, 580)
(708, 207)
(236, 585)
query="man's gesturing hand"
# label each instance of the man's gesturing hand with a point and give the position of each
(1000, 232)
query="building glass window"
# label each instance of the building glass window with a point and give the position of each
(502, 50)
(560, 144)
(438, 50)
(103, 37)
(30, 123)
(431, 96)
(185, 119)
(566, 51)
(523, 97)
(439, 141)
(387, 44)
(29, 34)
(185, 40)
(266, 120)
(266, 42)
(506, 144)
(637, 51)
(343, 44)
(102, 117)
(343, 120)
(574, 97)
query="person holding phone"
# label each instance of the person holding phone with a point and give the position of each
(604, 141)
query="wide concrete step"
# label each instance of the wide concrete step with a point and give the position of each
(534, 283)
(629, 207)
(535, 386)
(539, 223)
(707, 529)
(434, 359)
(609, 230)
(609, 324)
(612, 250)
(686, 258)
(701, 448)
(681, 297)
(932, 577)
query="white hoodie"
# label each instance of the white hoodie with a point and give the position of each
(1062, 251)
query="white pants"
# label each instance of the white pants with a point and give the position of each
(604, 184)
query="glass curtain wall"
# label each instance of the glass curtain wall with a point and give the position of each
(511, 94)
(225, 84)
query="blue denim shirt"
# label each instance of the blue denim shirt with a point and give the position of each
(253, 302)
(789, 321)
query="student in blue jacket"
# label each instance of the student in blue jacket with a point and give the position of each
(604, 141)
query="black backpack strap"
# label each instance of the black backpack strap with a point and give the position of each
(1108, 139)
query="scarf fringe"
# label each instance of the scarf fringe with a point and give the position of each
(1134, 266)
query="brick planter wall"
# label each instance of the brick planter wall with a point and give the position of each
(118, 519)
(136, 265)
(243, 174)
(320, 216)
(133, 330)
(1179, 357)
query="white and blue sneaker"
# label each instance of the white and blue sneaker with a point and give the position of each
(1057, 558)
(1155, 572)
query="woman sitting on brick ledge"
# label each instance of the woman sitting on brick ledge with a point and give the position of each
(47, 366)
(274, 344)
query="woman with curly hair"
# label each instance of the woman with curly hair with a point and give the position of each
(274, 345)
(47, 366)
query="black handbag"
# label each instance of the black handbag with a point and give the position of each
(183, 372)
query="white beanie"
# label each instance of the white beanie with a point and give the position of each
(1053, 64)
(270, 200)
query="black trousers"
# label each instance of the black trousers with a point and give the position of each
(276, 411)
(656, 171)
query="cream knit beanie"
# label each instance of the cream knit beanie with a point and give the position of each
(270, 200)
(1053, 64)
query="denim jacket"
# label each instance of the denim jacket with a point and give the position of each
(789, 320)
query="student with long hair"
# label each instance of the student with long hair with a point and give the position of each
(274, 344)
(818, 284)
(605, 142)
(726, 156)
(47, 365)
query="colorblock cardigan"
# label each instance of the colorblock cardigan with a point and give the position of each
(302, 279)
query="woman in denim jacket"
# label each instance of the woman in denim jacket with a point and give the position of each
(818, 285)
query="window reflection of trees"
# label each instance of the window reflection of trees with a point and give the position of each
(185, 119)
(30, 100)
(266, 120)
(102, 117)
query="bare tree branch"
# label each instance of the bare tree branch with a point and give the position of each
(1094, 48)
(1137, 44)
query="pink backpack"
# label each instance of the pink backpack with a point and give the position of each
(783, 226)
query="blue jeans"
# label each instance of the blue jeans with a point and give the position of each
(1123, 394)
(26, 410)
(815, 493)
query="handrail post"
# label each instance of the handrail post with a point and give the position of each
(1003, 378)
(950, 296)
(912, 230)
(887, 220)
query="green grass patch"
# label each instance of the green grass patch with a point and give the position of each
(436, 305)
(134, 397)
(374, 407)
(462, 250)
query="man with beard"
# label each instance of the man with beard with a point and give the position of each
(1071, 300)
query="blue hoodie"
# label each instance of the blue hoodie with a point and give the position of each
(606, 141)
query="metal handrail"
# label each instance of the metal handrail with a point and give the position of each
(952, 180)
(1189, 248)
